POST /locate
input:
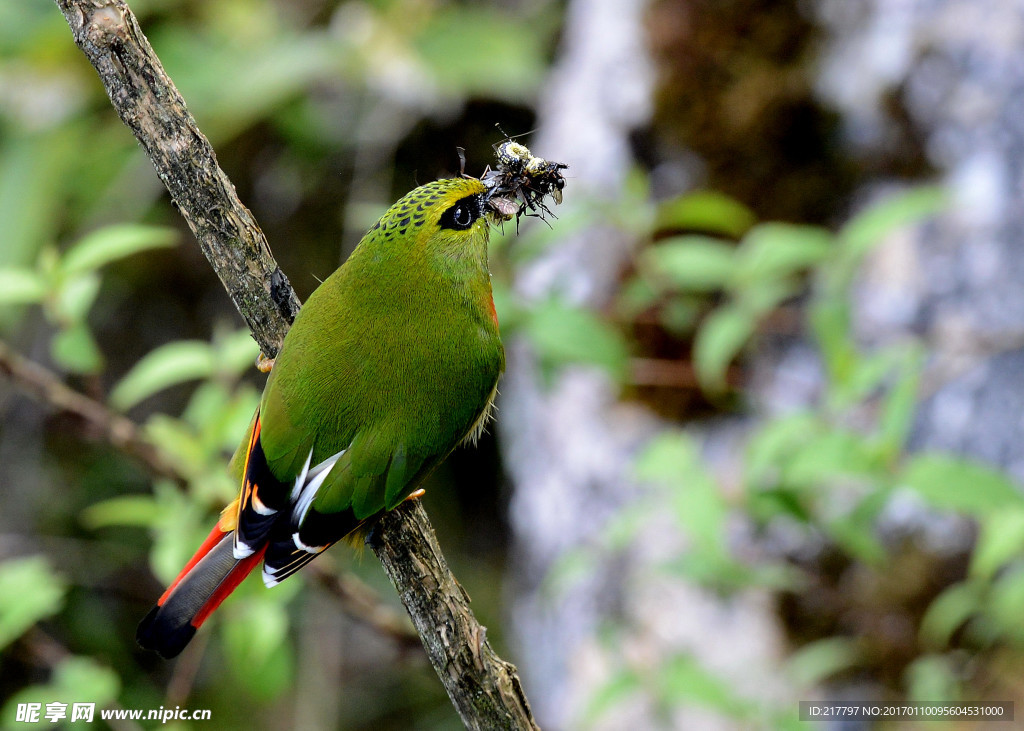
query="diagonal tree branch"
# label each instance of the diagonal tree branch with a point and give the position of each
(485, 690)
(150, 105)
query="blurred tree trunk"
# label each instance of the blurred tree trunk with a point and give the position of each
(944, 75)
(955, 66)
(569, 445)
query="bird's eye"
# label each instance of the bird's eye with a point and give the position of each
(462, 214)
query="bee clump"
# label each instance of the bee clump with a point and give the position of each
(521, 181)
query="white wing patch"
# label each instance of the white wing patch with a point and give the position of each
(307, 484)
(300, 481)
(309, 481)
(240, 549)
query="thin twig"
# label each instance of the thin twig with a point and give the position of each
(118, 430)
(485, 690)
(665, 373)
(48, 652)
(363, 604)
(179, 687)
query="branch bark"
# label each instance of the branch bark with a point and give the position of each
(150, 105)
(484, 689)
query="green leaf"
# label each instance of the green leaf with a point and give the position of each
(692, 263)
(855, 533)
(482, 50)
(112, 243)
(818, 661)
(75, 350)
(718, 342)
(932, 678)
(827, 455)
(179, 441)
(872, 225)
(75, 297)
(776, 250)
(81, 678)
(673, 459)
(137, 510)
(74, 680)
(863, 376)
(683, 680)
(760, 297)
(208, 401)
(667, 458)
(773, 446)
(705, 211)
(237, 80)
(256, 640)
(868, 229)
(21, 286)
(1004, 602)
(181, 526)
(167, 366)
(830, 321)
(680, 316)
(1001, 539)
(29, 592)
(226, 431)
(628, 522)
(35, 176)
(218, 418)
(565, 334)
(623, 684)
(947, 612)
(951, 483)
(712, 567)
(900, 405)
(636, 295)
(257, 628)
(235, 352)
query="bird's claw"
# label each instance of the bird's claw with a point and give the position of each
(264, 364)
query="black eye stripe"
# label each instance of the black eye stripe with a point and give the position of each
(461, 214)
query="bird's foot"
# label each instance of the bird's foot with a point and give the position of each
(264, 364)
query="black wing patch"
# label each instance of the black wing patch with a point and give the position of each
(261, 502)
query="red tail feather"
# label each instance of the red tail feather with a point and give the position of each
(207, 580)
(235, 577)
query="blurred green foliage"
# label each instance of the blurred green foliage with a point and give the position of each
(316, 104)
(67, 286)
(313, 108)
(825, 473)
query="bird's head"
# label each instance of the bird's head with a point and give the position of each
(452, 214)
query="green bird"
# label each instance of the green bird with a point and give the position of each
(392, 363)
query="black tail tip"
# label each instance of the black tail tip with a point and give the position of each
(155, 633)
